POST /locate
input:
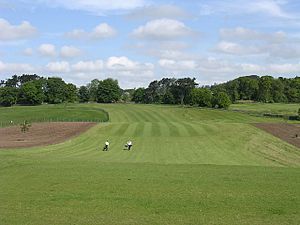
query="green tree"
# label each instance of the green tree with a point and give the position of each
(12, 82)
(265, 86)
(55, 90)
(31, 93)
(8, 96)
(152, 93)
(201, 97)
(139, 95)
(28, 77)
(83, 94)
(182, 88)
(221, 100)
(277, 91)
(108, 91)
(71, 93)
(93, 89)
(232, 88)
(168, 98)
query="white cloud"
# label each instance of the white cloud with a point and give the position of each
(162, 29)
(94, 6)
(9, 32)
(69, 51)
(58, 67)
(271, 8)
(178, 65)
(101, 31)
(158, 11)
(237, 49)
(286, 50)
(241, 33)
(16, 68)
(47, 50)
(88, 66)
(130, 73)
(245, 41)
(124, 64)
(28, 52)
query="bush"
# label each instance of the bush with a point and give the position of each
(221, 100)
(201, 97)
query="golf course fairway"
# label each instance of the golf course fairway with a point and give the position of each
(187, 166)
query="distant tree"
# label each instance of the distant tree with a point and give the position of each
(71, 93)
(165, 85)
(12, 82)
(232, 88)
(201, 97)
(125, 96)
(277, 91)
(182, 88)
(28, 77)
(152, 93)
(2, 83)
(8, 96)
(139, 95)
(31, 93)
(93, 89)
(248, 87)
(108, 91)
(265, 86)
(168, 98)
(221, 100)
(83, 94)
(55, 90)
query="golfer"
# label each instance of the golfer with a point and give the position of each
(106, 146)
(129, 145)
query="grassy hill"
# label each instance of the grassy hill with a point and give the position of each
(261, 108)
(187, 166)
(45, 113)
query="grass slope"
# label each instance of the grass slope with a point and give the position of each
(164, 180)
(274, 108)
(58, 113)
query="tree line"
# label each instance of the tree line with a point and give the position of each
(30, 89)
(261, 89)
(181, 91)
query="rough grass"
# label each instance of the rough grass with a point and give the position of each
(274, 108)
(46, 113)
(187, 166)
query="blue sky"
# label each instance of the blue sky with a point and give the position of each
(137, 41)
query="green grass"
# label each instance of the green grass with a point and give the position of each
(44, 113)
(187, 166)
(260, 108)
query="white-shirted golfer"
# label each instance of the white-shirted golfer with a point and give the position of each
(106, 146)
(129, 145)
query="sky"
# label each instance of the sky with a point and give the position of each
(138, 41)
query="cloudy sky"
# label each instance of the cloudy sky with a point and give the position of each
(137, 41)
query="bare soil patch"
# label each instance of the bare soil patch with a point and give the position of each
(41, 134)
(284, 131)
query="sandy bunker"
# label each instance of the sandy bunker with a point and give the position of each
(41, 134)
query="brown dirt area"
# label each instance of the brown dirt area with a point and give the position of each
(41, 134)
(284, 131)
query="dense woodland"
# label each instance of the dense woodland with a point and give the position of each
(34, 90)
